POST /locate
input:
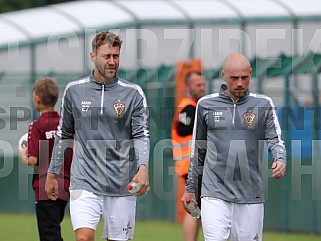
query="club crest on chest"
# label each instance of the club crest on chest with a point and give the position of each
(119, 108)
(249, 117)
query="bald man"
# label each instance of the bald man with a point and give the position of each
(230, 130)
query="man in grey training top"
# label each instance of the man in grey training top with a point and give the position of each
(107, 118)
(228, 137)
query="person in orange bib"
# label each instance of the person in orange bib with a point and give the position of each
(182, 130)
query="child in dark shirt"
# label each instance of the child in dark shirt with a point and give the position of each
(38, 152)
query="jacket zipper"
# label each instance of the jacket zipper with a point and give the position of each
(234, 107)
(102, 99)
(234, 110)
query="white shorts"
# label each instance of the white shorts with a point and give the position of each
(118, 214)
(240, 222)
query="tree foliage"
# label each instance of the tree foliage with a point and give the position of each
(15, 5)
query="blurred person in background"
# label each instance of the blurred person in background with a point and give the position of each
(182, 130)
(37, 153)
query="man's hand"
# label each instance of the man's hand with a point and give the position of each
(142, 179)
(51, 186)
(191, 196)
(278, 169)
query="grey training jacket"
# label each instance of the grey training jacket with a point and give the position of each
(228, 140)
(109, 126)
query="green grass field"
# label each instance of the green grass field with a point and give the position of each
(22, 227)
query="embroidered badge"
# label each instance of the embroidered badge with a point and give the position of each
(249, 117)
(119, 109)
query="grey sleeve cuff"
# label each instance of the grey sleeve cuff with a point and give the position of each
(142, 146)
(58, 154)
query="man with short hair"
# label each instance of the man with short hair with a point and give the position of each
(182, 129)
(107, 117)
(229, 133)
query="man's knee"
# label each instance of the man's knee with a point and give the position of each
(85, 234)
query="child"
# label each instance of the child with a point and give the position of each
(41, 136)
